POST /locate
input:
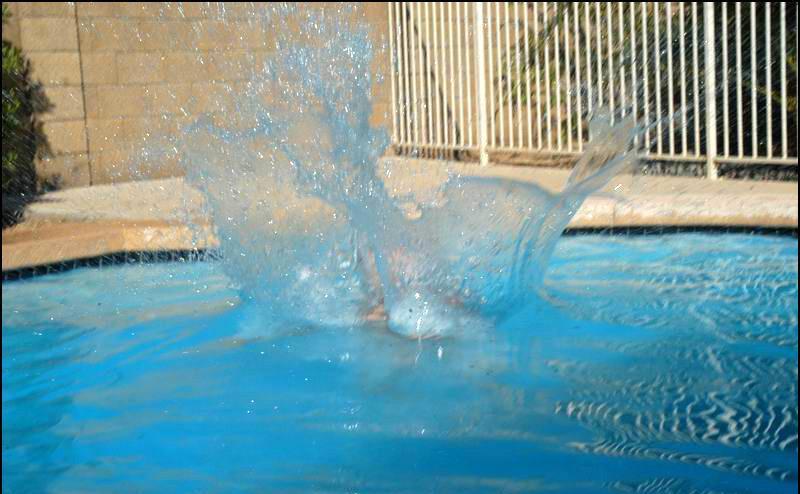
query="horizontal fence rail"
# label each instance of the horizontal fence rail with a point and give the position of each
(711, 83)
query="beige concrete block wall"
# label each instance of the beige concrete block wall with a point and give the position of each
(117, 74)
(11, 27)
(48, 36)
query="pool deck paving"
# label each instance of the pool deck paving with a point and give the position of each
(153, 216)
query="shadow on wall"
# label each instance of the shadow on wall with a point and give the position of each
(23, 136)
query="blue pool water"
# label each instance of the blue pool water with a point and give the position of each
(648, 364)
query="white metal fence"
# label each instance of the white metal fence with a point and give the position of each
(714, 83)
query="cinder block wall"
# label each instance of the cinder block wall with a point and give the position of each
(48, 36)
(117, 73)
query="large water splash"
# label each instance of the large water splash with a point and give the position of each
(312, 235)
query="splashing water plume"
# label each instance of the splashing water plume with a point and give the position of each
(310, 230)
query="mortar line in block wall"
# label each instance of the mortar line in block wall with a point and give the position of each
(83, 94)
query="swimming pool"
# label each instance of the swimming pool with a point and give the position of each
(650, 364)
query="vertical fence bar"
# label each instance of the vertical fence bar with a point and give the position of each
(414, 93)
(784, 96)
(753, 81)
(443, 74)
(470, 72)
(696, 79)
(609, 40)
(392, 58)
(427, 71)
(453, 126)
(657, 63)
(459, 50)
(481, 75)
(410, 72)
(519, 74)
(421, 75)
(415, 74)
(588, 28)
(579, 114)
(739, 70)
(508, 79)
(528, 78)
(634, 58)
(536, 44)
(684, 109)
(646, 92)
(501, 98)
(670, 86)
(492, 98)
(768, 48)
(621, 33)
(599, 54)
(726, 135)
(557, 59)
(710, 95)
(488, 63)
(408, 42)
(547, 81)
(437, 112)
(568, 77)
(470, 120)
(401, 54)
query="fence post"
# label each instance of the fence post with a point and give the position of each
(392, 72)
(710, 92)
(481, 75)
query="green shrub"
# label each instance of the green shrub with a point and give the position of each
(20, 141)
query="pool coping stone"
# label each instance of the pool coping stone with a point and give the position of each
(155, 215)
